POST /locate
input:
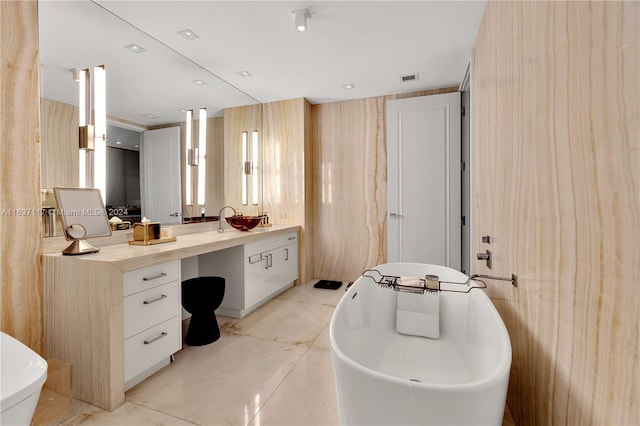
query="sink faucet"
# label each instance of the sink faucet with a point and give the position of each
(220, 217)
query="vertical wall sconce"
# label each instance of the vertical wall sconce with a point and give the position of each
(93, 128)
(189, 157)
(254, 167)
(86, 139)
(100, 123)
(196, 157)
(202, 154)
(245, 171)
(250, 168)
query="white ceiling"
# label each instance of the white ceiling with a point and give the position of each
(370, 44)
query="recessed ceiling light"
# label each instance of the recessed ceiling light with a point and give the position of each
(188, 34)
(182, 110)
(118, 142)
(151, 116)
(136, 146)
(135, 48)
(245, 73)
(349, 86)
(199, 82)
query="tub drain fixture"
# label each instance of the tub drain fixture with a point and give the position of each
(415, 380)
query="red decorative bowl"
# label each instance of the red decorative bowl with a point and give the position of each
(243, 223)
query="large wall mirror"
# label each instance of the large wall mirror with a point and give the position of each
(149, 85)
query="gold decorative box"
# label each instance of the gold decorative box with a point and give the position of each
(146, 231)
(118, 226)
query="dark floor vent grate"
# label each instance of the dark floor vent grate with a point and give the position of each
(411, 77)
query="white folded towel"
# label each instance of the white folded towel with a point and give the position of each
(418, 314)
(412, 283)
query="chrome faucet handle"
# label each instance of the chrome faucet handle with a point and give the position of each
(220, 229)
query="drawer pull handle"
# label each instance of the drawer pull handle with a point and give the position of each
(291, 238)
(148, 342)
(157, 299)
(255, 259)
(155, 277)
(286, 254)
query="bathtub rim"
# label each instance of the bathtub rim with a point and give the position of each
(503, 367)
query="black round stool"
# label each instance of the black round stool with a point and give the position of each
(201, 297)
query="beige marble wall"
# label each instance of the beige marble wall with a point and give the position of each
(59, 145)
(214, 184)
(20, 242)
(350, 185)
(287, 167)
(557, 98)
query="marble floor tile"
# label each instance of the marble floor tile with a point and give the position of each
(307, 293)
(226, 382)
(306, 397)
(272, 367)
(283, 321)
(76, 408)
(323, 342)
(127, 414)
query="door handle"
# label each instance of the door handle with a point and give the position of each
(486, 256)
(286, 254)
(176, 214)
(155, 277)
(160, 336)
(394, 215)
(154, 300)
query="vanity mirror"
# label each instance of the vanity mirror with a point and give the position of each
(149, 85)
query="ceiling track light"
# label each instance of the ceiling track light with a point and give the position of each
(301, 17)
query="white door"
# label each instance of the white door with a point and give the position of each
(160, 175)
(423, 178)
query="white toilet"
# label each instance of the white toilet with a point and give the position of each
(22, 374)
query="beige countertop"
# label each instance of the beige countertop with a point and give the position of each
(127, 257)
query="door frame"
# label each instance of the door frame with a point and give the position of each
(145, 170)
(452, 173)
(468, 145)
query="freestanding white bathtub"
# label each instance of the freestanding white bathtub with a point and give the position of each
(23, 372)
(387, 378)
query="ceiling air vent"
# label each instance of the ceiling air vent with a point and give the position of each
(407, 78)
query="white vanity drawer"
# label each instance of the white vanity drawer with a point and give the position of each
(148, 348)
(152, 276)
(257, 247)
(150, 307)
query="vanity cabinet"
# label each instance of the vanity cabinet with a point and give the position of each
(254, 273)
(116, 328)
(152, 319)
(115, 315)
(269, 267)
